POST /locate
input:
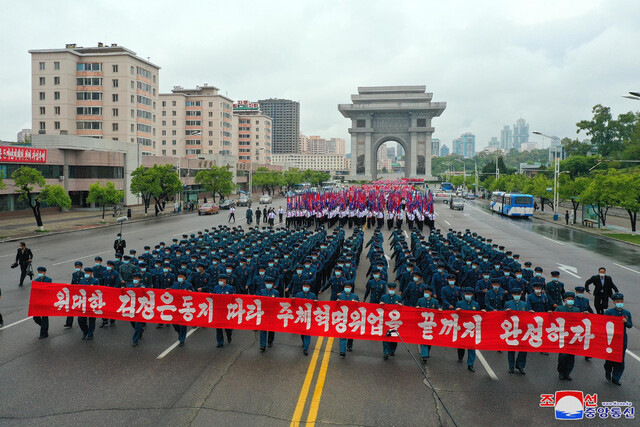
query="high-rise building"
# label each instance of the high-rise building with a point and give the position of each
(285, 116)
(24, 135)
(506, 138)
(252, 132)
(100, 92)
(465, 145)
(435, 147)
(444, 151)
(196, 121)
(303, 145)
(325, 162)
(336, 146)
(391, 152)
(520, 133)
(457, 147)
(493, 142)
(400, 150)
(317, 145)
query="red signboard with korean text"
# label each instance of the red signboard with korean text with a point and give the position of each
(14, 154)
(583, 334)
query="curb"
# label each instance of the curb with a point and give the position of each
(589, 232)
(53, 233)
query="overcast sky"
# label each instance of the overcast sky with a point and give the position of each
(492, 62)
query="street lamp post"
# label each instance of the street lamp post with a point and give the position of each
(556, 173)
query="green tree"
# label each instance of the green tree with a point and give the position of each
(626, 194)
(292, 177)
(218, 180)
(603, 130)
(573, 147)
(168, 184)
(578, 165)
(601, 195)
(540, 186)
(268, 179)
(104, 196)
(490, 167)
(144, 185)
(2, 184)
(26, 179)
(571, 189)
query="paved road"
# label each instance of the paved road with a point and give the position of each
(65, 381)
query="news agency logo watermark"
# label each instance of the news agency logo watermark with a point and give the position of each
(576, 405)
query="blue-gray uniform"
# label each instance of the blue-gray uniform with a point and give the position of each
(495, 298)
(336, 283)
(413, 292)
(389, 347)
(539, 302)
(581, 302)
(223, 288)
(42, 321)
(450, 297)
(181, 284)
(306, 294)
(243, 275)
(75, 280)
(427, 301)
(267, 337)
(466, 304)
(377, 288)
(98, 270)
(517, 304)
(138, 327)
(439, 281)
(87, 330)
(482, 287)
(555, 291)
(566, 361)
(346, 344)
(613, 370)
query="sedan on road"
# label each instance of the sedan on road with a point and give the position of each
(227, 204)
(208, 209)
(265, 199)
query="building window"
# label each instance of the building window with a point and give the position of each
(164, 133)
(132, 70)
(133, 129)
(133, 99)
(42, 66)
(164, 152)
(41, 96)
(173, 152)
(173, 123)
(257, 122)
(173, 132)
(133, 84)
(114, 127)
(210, 124)
(114, 97)
(42, 126)
(56, 111)
(164, 114)
(42, 110)
(210, 113)
(422, 123)
(210, 142)
(164, 123)
(56, 95)
(360, 123)
(56, 65)
(115, 68)
(115, 82)
(164, 142)
(210, 133)
(115, 112)
(42, 81)
(173, 113)
(56, 80)
(133, 114)
(56, 125)
(173, 142)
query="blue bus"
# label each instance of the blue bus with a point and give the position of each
(511, 204)
(447, 187)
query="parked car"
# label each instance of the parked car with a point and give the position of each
(265, 199)
(208, 209)
(227, 204)
(243, 200)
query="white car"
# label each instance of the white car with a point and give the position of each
(265, 199)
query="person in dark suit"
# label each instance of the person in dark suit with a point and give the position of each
(603, 289)
(119, 244)
(23, 259)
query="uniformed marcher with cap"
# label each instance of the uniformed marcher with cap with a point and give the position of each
(182, 284)
(613, 370)
(566, 361)
(306, 293)
(346, 344)
(427, 301)
(517, 304)
(76, 276)
(267, 337)
(555, 290)
(223, 289)
(468, 304)
(43, 321)
(389, 347)
(88, 326)
(138, 327)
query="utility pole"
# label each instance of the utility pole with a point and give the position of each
(476, 187)
(497, 168)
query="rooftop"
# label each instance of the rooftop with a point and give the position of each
(102, 49)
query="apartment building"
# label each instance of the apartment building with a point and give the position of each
(99, 92)
(327, 162)
(285, 116)
(252, 133)
(195, 121)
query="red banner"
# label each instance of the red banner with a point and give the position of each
(575, 333)
(15, 154)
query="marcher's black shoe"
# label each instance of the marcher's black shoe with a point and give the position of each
(262, 349)
(270, 345)
(607, 375)
(84, 337)
(342, 355)
(521, 370)
(306, 353)
(568, 378)
(616, 382)
(471, 368)
(43, 336)
(424, 360)
(386, 356)
(135, 344)
(511, 371)
(349, 349)
(181, 344)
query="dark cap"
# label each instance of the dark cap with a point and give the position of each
(569, 295)
(88, 270)
(78, 263)
(617, 296)
(42, 269)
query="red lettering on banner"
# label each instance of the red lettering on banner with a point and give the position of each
(575, 333)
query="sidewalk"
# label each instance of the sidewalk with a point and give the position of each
(24, 225)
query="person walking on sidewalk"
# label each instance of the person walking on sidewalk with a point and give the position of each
(23, 259)
(566, 217)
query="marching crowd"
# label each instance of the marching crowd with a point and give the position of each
(452, 271)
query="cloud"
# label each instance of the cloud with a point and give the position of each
(492, 62)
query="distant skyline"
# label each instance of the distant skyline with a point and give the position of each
(493, 62)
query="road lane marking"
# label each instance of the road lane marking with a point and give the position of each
(4, 256)
(554, 241)
(306, 385)
(317, 393)
(15, 323)
(448, 223)
(632, 354)
(405, 233)
(486, 366)
(627, 268)
(175, 344)
(82, 257)
(569, 270)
